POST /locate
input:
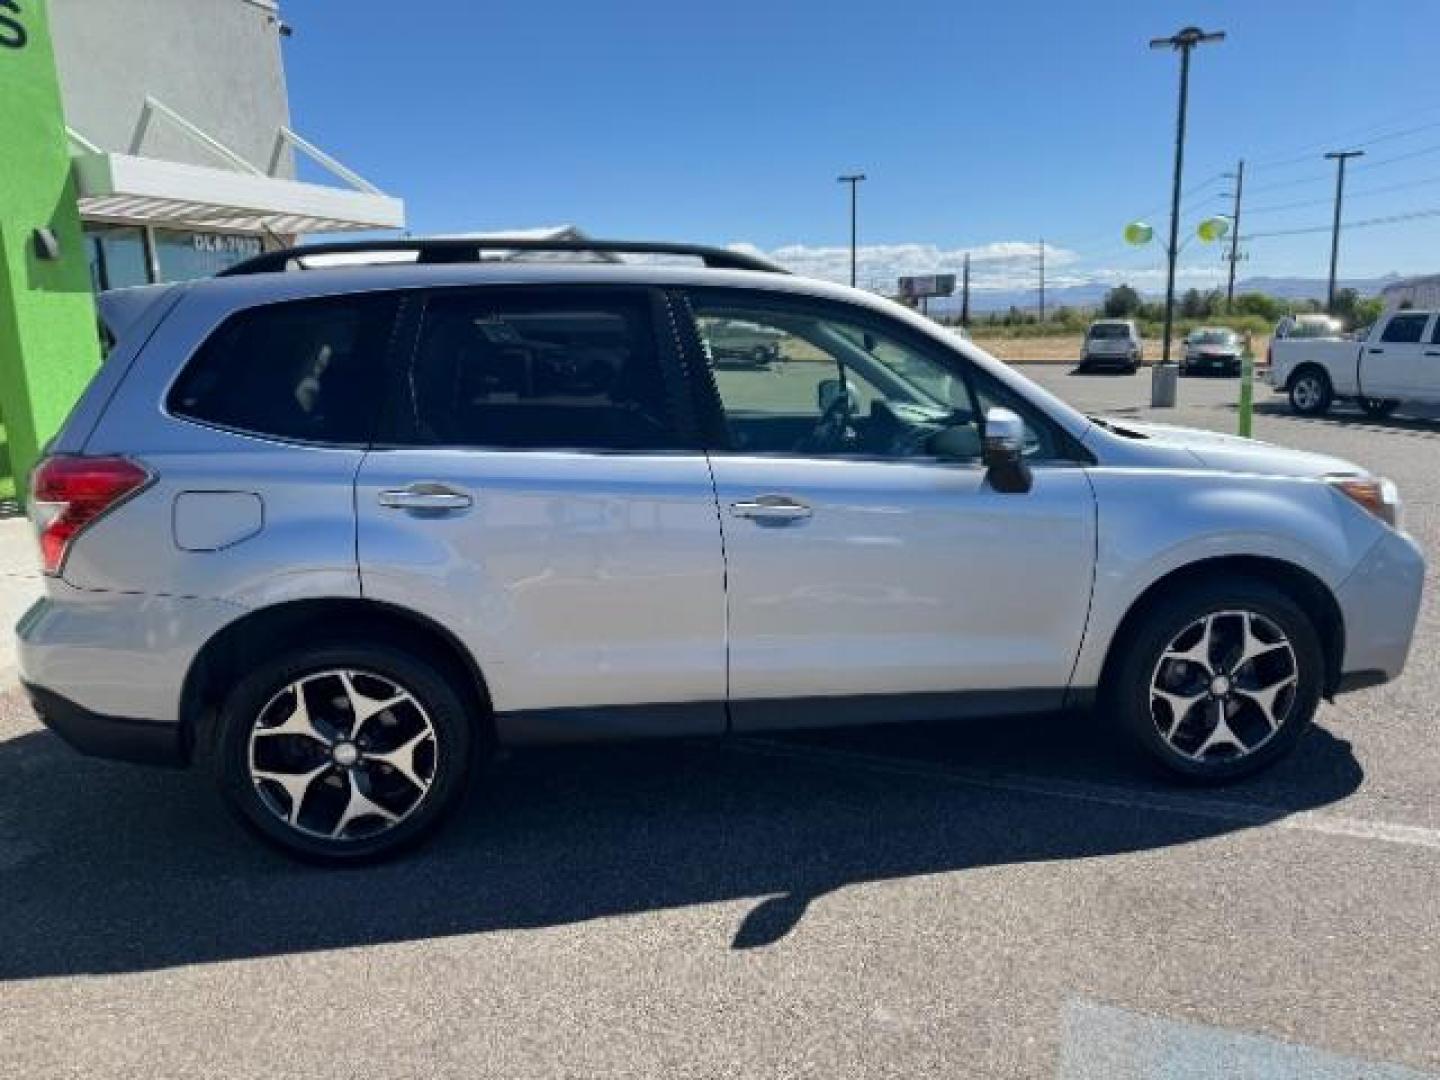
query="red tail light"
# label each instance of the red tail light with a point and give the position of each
(70, 493)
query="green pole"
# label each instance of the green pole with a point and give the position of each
(1247, 389)
(49, 346)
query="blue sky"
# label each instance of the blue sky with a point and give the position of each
(981, 126)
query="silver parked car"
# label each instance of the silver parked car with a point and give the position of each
(1212, 349)
(334, 533)
(1112, 343)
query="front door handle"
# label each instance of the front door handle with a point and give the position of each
(425, 496)
(1376, 352)
(771, 508)
(1431, 352)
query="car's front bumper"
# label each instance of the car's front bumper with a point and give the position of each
(1379, 603)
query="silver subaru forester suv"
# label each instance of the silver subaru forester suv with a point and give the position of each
(334, 532)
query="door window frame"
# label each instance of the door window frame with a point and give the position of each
(711, 409)
(396, 427)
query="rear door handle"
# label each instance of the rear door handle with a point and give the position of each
(1431, 352)
(1374, 352)
(771, 508)
(425, 496)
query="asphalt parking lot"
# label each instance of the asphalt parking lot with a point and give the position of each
(1009, 899)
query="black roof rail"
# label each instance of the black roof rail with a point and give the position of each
(467, 250)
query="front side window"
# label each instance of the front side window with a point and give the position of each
(1405, 329)
(828, 385)
(308, 370)
(571, 370)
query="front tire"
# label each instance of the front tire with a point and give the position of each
(343, 753)
(1310, 392)
(1217, 680)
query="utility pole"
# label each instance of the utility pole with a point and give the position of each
(853, 179)
(1235, 235)
(1184, 43)
(965, 293)
(1340, 157)
(1042, 280)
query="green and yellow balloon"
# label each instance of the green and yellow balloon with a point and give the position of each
(1140, 233)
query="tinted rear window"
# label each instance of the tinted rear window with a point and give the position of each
(1110, 331)
(542, 369)
(308, 370)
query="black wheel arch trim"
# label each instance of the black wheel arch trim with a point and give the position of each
(263, 632)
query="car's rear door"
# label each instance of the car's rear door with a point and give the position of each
(539, 492)
(868, 578)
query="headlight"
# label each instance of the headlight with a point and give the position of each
(1376, 494)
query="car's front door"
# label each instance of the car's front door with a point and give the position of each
(1427, 371)
(1390, 367)
(872, 570)
(538, 491)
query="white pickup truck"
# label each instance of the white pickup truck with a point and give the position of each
(1398, 361)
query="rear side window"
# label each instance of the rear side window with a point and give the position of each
(308, 370)
(1405, 329)
(535, 370)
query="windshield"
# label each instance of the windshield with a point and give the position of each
(1110, 331)
(1213, 337)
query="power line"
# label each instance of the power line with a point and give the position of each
(1361, 194)
(1389, 219)
(1351, 136)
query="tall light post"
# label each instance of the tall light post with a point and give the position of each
(1339, 157)
(1182, 42)
(854, 180)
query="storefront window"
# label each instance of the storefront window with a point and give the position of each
(117, 257)
(184, 256)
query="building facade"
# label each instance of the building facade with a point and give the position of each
(1415, 292)
(184, 156)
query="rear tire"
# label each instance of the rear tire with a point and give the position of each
(374, 755)
(1217, 679)
(1310, 392)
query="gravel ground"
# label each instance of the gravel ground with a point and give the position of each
(1006, 899)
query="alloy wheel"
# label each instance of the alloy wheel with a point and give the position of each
(1307, 393)
(1224, 686)
(343, 754)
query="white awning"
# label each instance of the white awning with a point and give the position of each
(148, 191)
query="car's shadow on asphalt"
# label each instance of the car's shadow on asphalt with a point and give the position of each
(1350, 416)
(107, 868)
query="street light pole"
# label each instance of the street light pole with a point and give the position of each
(1182, 42)
(853, 179)
(1339, 157)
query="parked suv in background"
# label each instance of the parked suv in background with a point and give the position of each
(1112, 343)
(335, 533)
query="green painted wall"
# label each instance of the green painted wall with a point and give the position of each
(48, 342)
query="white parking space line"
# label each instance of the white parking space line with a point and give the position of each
(1242, 813)
(1102, 1041)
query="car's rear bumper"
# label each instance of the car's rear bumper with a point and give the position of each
(1379, 603)
(122, 738)
(115, 654)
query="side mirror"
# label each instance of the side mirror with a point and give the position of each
(829, 392)
(1004, 452)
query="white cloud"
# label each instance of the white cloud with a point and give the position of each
(1001, 265)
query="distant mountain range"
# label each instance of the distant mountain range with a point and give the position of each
(1090, 295)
